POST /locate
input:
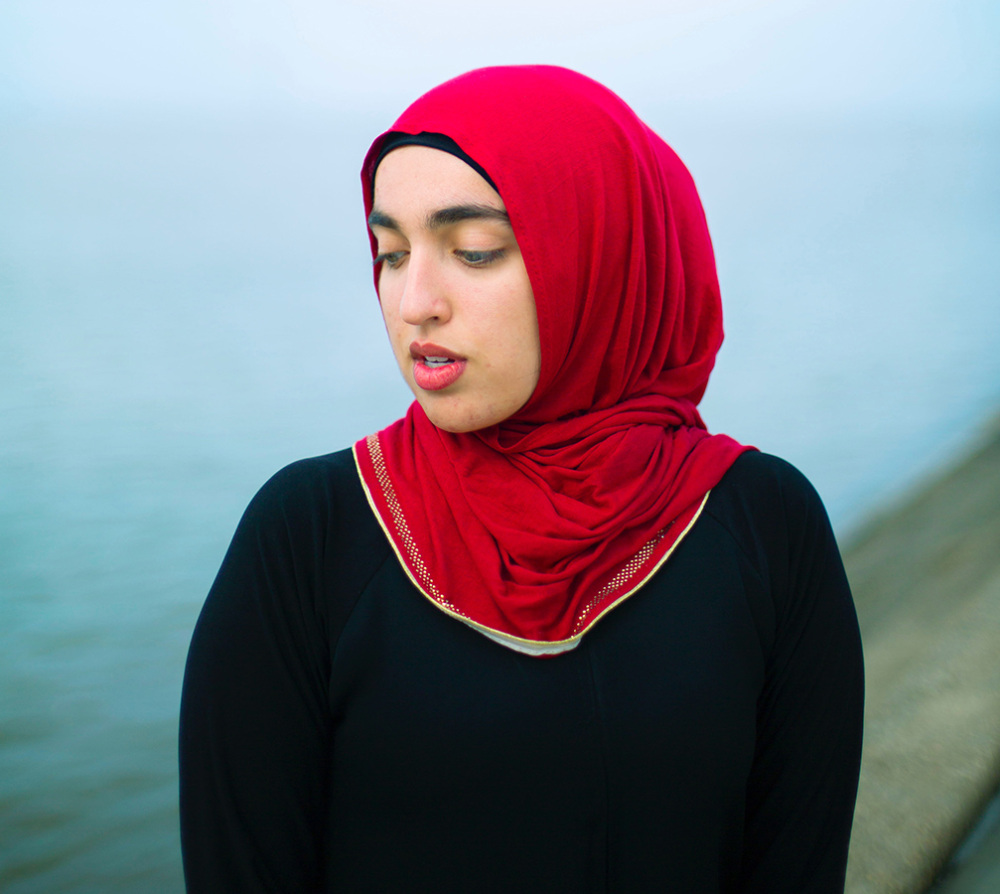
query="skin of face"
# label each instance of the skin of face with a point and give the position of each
(454, 291)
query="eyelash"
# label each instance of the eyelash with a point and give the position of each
(392, 259)
(480, 258)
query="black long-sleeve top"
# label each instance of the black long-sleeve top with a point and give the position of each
(341, 733)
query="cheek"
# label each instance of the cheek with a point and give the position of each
(524, 321)
(393, 327)
(386, 305)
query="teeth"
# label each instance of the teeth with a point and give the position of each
(437, 361)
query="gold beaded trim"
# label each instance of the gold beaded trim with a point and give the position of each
(403, 530)
(624, 574)
(532, 647)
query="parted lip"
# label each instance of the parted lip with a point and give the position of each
(420, 350)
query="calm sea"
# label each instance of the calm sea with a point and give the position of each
(186, 307)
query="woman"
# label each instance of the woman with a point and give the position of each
(545, 633)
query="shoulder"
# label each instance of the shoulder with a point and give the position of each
(317, 490)
(763, 493)
(761, 477)
(333, 475)
(773, 514)
(315, 506)
(310, 527)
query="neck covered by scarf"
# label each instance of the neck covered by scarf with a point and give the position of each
(531, 530)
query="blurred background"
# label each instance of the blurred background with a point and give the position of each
(186, 306)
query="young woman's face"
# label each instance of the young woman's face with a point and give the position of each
(455, 294)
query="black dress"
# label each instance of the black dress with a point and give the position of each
(341, 733)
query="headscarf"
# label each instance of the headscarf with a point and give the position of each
(533, 529)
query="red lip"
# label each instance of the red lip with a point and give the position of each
(435, 377)
(419, 350)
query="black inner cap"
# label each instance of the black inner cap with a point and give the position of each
(433, 141)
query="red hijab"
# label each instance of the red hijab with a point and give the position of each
(533, 529)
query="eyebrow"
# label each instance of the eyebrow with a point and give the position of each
(443, 217)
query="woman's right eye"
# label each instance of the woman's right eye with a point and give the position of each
(391, 259)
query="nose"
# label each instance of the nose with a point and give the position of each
(424, 298)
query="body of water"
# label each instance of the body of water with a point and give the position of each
(186, 307)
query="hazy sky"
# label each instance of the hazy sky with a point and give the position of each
(259, 55)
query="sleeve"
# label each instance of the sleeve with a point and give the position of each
(803, 783)
(254, 726)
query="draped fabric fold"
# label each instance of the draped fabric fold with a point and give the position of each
(532, 529)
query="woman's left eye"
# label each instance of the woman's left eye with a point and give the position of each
(479, 258)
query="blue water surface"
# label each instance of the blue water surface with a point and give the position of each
(187, 306)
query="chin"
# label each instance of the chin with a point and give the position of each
(457, 427)
(459, 415)
(456, 421)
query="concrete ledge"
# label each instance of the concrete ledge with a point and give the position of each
(926, 579)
